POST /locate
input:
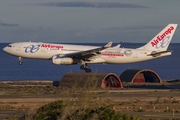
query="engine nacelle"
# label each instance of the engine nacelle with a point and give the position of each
(63, 61)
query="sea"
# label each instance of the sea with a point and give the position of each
(34, 69)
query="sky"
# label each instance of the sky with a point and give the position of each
(86, 21)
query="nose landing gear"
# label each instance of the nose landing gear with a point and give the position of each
(20, 61)
(85, 67)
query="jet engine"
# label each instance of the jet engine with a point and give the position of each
(63, 60)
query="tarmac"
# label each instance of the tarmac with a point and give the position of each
(148, 115)
(6, 113)
(143, 115)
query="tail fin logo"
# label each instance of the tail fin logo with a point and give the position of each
(165, 42)
(162, 38)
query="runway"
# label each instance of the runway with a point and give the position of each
(114, 93)
(147, 115)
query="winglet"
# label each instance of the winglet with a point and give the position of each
(117, 46)
(108, 45)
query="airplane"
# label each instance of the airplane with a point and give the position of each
(66, 54)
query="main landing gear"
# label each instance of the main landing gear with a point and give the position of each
(85, 67)
(20, 61)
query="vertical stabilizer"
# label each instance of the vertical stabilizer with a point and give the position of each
(161, 41)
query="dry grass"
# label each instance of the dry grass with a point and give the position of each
(81, 97)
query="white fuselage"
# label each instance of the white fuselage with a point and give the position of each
(65, 54)
(110, 55)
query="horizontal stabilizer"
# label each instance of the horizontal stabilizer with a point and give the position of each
(156, 54)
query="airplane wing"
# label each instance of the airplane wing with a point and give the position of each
(155, 54)
(88, 53)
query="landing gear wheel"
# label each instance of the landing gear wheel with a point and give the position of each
(88, 70)
(20, 62)
(85, 67)
(82, 67)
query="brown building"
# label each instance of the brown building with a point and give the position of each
(102, 80)
(140, 75)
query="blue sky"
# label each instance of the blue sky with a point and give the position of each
(86, 21)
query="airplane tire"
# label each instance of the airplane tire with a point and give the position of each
(82, 67)
(20, 62)
(88, 70)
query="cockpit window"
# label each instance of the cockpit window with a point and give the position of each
(9, 46)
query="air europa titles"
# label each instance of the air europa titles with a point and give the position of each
(159, 38)
(51, 46)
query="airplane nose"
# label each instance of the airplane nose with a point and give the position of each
(4, 49)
